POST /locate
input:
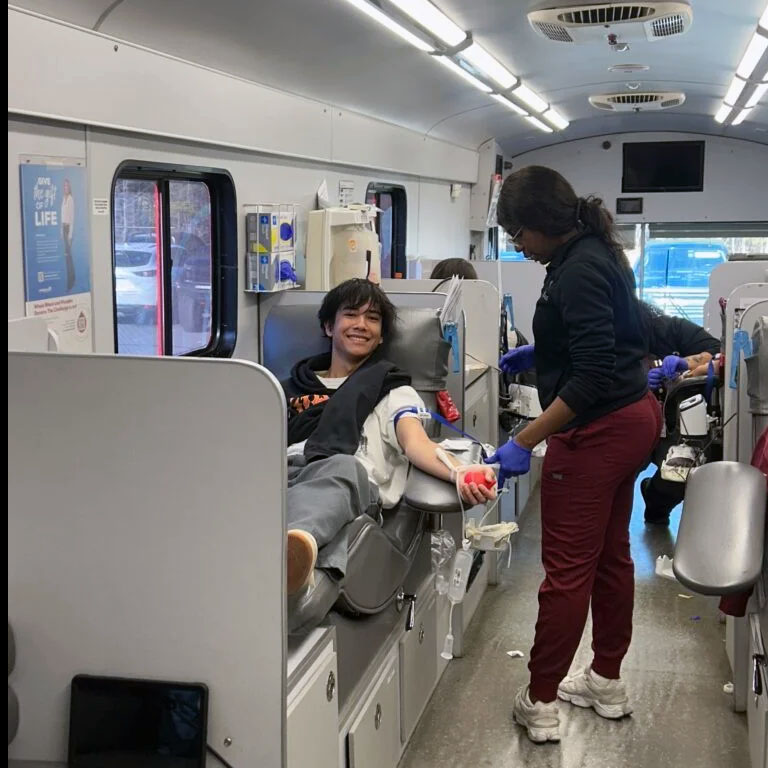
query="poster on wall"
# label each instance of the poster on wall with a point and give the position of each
(57, 251)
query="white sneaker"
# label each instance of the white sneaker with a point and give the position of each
(541, 720)
(586, 688)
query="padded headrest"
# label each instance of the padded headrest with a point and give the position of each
(292, 333)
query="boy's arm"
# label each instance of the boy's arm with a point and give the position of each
(422, 453)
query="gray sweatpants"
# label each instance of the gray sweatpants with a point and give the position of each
(323, 498)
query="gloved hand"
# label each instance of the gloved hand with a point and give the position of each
(512, 459)
(671, 367)
(518, 360)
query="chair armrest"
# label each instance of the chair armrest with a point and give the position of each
(719, 547)
(430, 494)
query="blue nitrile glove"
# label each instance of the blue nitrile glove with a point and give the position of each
(286, 271)
(655, 378)
(671, 367)
(512, 459)
(518, 360)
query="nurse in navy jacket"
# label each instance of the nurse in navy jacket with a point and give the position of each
(600, 423)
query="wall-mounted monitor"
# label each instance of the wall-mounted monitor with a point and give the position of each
(663, 166)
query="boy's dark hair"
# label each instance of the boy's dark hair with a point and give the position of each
(353, 294)
(450, 267)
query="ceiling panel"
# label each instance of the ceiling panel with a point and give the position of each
(83, 13)
(323, 49)
(327, 50)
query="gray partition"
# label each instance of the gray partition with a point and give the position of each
(523, 281)
(146, 539)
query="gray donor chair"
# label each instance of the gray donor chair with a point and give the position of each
(380, 556)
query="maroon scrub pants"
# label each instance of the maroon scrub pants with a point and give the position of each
(587, 484)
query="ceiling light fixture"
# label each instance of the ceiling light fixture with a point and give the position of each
(510, 105)
(463, 60)
(432, 19)
(752, 55)
(723, 113)
(741, 117)
(479, 58)
(529, 98)
(745, 76)
(461, 72)
(756, 96)
(734, 91)
(385, 21)
(541, 126)
(555, 118)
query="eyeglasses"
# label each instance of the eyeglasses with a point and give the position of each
(516, 237)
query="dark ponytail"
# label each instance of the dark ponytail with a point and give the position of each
(540, 199)
(591, 213)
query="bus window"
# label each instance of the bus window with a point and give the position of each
(169, 226)
(391, 220)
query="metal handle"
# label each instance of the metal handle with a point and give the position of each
(422, 633)
(758, 660)
(410, 619)
(377, 717)
(330, 687)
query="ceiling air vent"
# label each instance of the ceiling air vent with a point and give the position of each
(628, 22)
(606, 14)
(668, 26)
(554, 31)
(636, 102)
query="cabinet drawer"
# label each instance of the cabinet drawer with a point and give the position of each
(418, 668)
(374, 738)
(313, 720)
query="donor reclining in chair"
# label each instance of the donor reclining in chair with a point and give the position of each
(353, 428)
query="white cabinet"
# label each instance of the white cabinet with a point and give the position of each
(313, 716)
(374, 738)
(418, 668)
(477, 409)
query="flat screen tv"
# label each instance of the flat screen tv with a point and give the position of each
(663, 166)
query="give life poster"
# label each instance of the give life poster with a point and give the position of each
(57, 251)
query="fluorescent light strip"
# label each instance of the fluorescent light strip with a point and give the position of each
(375, 14)
(461, 72)
(432, 19)
(756, 96)
(741, 117)
(539, 124)
(752, 55)
(479, 58)
(510, 105)
(734, 91)
(722, 113)
(529, 98)
(556, 119)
